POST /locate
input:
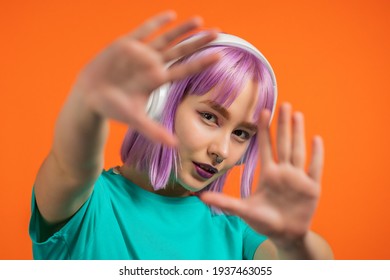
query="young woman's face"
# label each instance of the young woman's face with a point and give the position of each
(206, 130)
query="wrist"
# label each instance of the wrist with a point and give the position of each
(308, 246)
(292, 248)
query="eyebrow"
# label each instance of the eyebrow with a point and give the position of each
(222, 110)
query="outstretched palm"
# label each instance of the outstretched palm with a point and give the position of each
(286, 197)
(118, 82)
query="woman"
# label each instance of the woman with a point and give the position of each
(155, 206)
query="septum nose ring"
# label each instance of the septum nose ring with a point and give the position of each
(218, 159)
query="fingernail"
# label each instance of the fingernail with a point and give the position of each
(286, 105)
(198, 20)
(298, 116)
(171, 14)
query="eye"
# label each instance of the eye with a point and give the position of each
(209, 117)
(242, 134)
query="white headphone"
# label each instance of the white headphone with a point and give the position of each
(157, 100)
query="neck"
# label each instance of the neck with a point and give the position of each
(141, 179)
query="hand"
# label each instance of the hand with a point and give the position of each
(118, 82)
(286, 197)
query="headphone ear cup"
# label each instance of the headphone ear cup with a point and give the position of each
(157, 101)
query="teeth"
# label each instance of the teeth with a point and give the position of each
(207, 168)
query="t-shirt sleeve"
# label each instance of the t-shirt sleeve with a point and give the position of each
(251, 241)
(72, 238)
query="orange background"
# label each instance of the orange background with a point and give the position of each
(331, 59)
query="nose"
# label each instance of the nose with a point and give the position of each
(220, 147)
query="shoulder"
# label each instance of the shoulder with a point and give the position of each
(266, 251)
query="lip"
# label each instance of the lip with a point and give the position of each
(205, 171)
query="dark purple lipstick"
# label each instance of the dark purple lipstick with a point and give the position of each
(205, 171)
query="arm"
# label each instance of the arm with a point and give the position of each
(65, 178)
(115, 85)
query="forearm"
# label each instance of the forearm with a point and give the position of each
(79, 139)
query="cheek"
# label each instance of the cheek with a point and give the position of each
(191, 133)
(236, 155)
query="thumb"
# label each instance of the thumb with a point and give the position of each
(224, 202)
(154, 131)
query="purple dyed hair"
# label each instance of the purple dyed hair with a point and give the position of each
(227, 77)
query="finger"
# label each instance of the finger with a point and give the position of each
(181, 71)
(299, 146)
(224, 202)
(154, 131)
(264, 138)
(190, 47)
(118, 107)
(152, 24)
(283, 137)
(317, 159)
(164, 40)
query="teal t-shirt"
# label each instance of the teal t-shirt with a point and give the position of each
(123, 221)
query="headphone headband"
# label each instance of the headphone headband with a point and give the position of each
(159, 96)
